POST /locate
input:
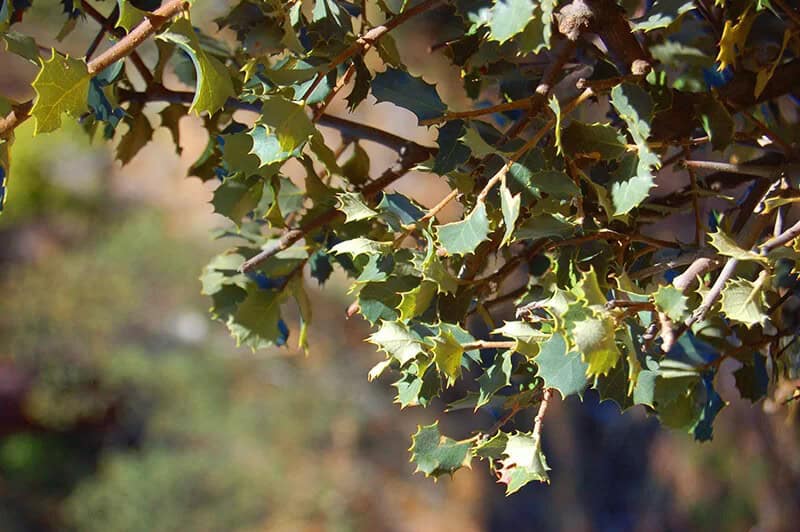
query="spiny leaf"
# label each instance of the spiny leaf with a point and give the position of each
(524, 462)
(727, 246)
(397, 341)
(447, 353)
(671, 302)
(436, 455)
(288, 120)
(743, 301)
(594, 338)
(62, 86)
(416, 301)
(214, 84)
(662, 13)
(496, 377)
(402, 89)
(354, 206)
(510, 205)
(462, 237)
(565, 372)
(508, 18)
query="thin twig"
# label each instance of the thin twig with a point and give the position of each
(487, 344)
(698, 219)
(363, 43)
(430, 215)
(537, 424)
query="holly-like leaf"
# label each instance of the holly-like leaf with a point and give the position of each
(360, 246)
(727, 246)
(397, 341)
(524, 462)
(565, 372)
(743, 301)
(257, 321)
(597, 141)
(447, 353)
(436, 455)
(734, 37)
(22, 45)
(594, 338)
(354, 206)
(62, 87)
(508, 18)
(717, 123)
(671, 302)
(416, 301)
(289, 122)
(662, 13)
(404, 90)
(433, 269)
(496, 377)
(214, 84)
(462, 237)
(452, 152)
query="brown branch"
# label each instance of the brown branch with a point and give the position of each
(780, 240)
(486, 344)
(537, 424)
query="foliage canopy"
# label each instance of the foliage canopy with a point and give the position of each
(595, 251)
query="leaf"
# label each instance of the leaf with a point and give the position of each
(556, 108)
(436, 455)
(129, 15)
(266, 146)
(524, 462)
(765, 74)
(447, 353)
(662, 13)
(599, 141)
(743, 302)
(727, 246)
(397, 341)
(594, 338)
(296, 287)
(360, 246)
(257, 321)
(496, 377)
(21, 45)
(671, 302)
(361, 84)
(508, 18)
(544, 226)
(452, 152)
(462, 237)
(734, 37)
(717, 123)
(510, 205)
(214, 84)
(434, 270)
(402, 89)
(62, 86)
(565, 372)
(288, 120)
(752, 380)
(354, 206)
(416, 301)
(139, 133)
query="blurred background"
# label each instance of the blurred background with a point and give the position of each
(124, 408)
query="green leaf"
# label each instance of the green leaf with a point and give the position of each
(727, 246)
(743, 301)
(416, 301)
(433, 269)
(662, 14)
(599, 141)
(288, 120)
(62, 86)
(631, 187)
(544, 226)
(452, 152)
(402, 89)
(214, 84)
(556, 108)
(360, 246)
(129, 16)
(354, 206)
(462, 237)
(508, 18)
(752, 380)
(436, 455)
(496, 377)
(510, 205)
(717, 123)
(524, 462)
(22, 45)
(397, 341)
(256, 321)
(671, 302)
(266, 147)
(594, 338)
(447, 353)
(565, 372)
